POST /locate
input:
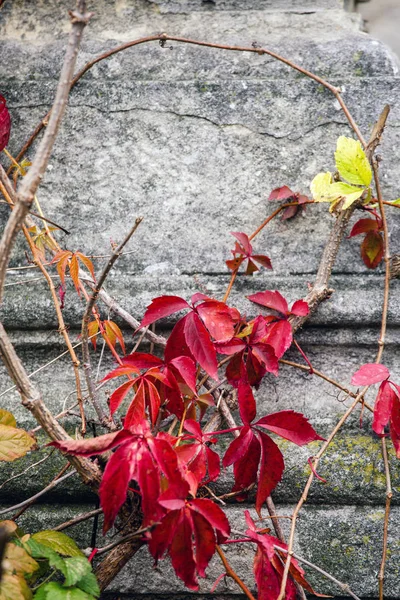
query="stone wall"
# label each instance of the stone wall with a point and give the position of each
(194, 140)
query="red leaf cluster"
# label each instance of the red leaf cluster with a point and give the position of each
(372, 249)
(256, 457)
(193, 335)
(284, 193)
(269, 566)
(5, 124)
(188, 529)
(387, 403)
(244, 251)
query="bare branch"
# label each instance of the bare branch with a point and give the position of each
(31, 181)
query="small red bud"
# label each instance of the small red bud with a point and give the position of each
(5, 124)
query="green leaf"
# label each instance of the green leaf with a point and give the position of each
(89, 585)
(14, 443)
(319, 187)
(7, 418)
(351, 193)
(352, 162)
(57, 541)
(38, 550)
(77, 568)
(396, 202)
(55, 591)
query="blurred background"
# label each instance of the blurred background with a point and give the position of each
(382, 20)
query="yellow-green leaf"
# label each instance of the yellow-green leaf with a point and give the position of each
(57, 541)
(352, 162)
(14, 588)
(7, 418)
(18, 561)
(396, 202)
(319, 187)
(350, 193)
(14, 443)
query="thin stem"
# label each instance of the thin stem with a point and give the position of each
(304, 495)
(33, 178)
(79, 519)
(343, 586)
(267, 220)
(162, 38)
(85, 323)
(325, 377)
(229, 288)
(233, 575)
(61, 325)
(389, 495)
(38, 495)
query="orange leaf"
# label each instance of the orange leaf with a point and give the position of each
(74, 272)
(87, 262)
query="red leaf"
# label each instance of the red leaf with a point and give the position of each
(181, 552)
(136, 411)
(267, 580)
(205, 542)
(273, 300)
(383, 407)
(271, 469)
(200, 344)
(93, 446)
(300, 308)
(217, 318)
(176, 343)
(247, 403)
(279, 336)
(213, 514)
(114, 485)
(119, 395)
(5, 124)
(148, 479)
(232, 347)
(372, 249)
(162, 535)
(141, 360)
(186, 369)
(163, 306)
(363, 226)
(395, 423)
(238, 447)
(290, 425)
(245, 469)
(290, 212)
(281, 193)
(153, 401)
(263, 260)
(167, 461)
(244, 241)
(370, 373)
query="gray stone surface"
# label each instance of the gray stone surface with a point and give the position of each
(340, 539)
(194, 140)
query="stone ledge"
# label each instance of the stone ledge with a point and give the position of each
(342, 540)
(355, 303)
(352, 467)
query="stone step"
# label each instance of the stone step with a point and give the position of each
(26, 306)
(343, 540)
(353, 469)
